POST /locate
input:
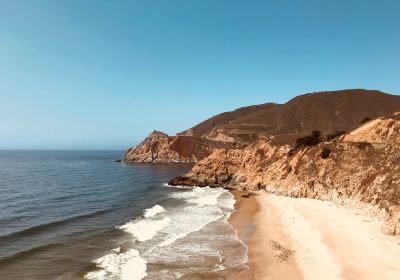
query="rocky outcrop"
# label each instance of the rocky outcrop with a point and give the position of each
(378, 131)
(158, 147)
(362, 170)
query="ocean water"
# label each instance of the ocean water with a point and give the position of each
(78, 215)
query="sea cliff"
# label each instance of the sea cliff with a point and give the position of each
(158, 147)
(360, 169)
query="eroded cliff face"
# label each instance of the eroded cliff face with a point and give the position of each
(158, 147)
(362, 170)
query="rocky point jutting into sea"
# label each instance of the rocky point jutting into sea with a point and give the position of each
(341, 146)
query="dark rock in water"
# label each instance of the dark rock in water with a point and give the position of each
(124, 248)
(185, 181)
(117, 160)
(190, 182)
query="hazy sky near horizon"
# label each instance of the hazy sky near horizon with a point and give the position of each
(103, 74)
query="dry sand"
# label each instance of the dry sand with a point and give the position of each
(299, 238)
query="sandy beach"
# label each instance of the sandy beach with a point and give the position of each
(292, 238)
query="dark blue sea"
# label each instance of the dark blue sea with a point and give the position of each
(78, 215)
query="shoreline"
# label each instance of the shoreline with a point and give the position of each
(268, 254)
(300, 238)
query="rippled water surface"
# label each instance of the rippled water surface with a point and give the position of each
(76, 215)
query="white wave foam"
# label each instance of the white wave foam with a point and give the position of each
(188, 224)
(206, 196)
(145, 229)
(203, 199)
(156, 209)
(178, 187)
(129, 265)
(193, 218)
(227, 202)
(162, 229)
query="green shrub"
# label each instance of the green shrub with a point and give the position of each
(325, 152)
(363, 145)
(365, 120)
(332, 136)
(309, 140)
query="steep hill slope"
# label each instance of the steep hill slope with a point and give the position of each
(382, 130)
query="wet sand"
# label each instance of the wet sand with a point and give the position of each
(291, 238)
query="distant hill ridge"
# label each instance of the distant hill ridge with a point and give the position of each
(327, 111)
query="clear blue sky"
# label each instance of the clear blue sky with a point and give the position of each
(103, 74)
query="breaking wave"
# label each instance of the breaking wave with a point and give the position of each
(156, 209)
(128, 265)
(155, 233)
(145, 229)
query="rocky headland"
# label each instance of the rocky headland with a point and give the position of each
(158, 147)
(341, 146)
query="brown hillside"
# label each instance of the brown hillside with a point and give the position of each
(205, 127)
(328, 111)
(325, 111)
